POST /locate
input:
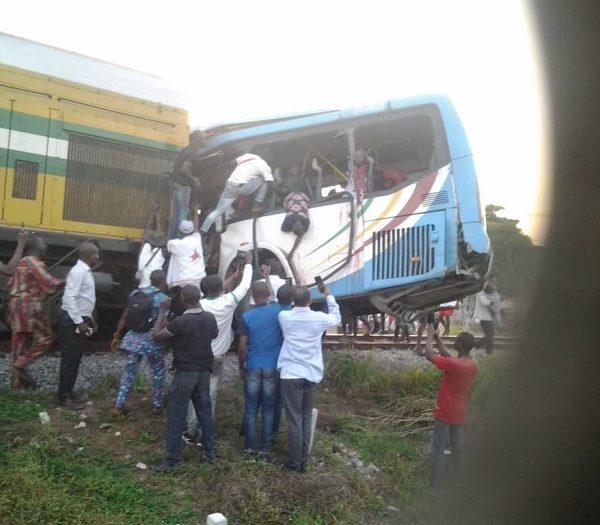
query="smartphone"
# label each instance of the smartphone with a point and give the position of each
(241, 254)
(288, 281)
(318, 280)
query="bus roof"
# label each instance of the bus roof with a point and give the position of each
(222, 134)
(48, 60)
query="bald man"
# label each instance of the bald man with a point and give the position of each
(76, 321)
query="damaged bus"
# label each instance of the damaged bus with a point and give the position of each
(414, 236)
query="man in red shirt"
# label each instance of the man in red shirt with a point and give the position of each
(451, 405)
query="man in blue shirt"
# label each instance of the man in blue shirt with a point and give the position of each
(258, 350)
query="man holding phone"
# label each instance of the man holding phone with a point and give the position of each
(301, 367)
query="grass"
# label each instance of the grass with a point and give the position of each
(88, 477)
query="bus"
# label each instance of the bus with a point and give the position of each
(85, 146)
(415, 238)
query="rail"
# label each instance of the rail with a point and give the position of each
(330, 342)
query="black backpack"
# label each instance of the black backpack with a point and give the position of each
(139, 311)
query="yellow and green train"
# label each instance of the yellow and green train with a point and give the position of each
(85, 148)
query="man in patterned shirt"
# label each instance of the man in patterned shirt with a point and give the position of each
(31, 331)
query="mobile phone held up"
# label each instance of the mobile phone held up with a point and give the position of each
(288, 281)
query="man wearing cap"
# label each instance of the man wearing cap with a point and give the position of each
(186, 265)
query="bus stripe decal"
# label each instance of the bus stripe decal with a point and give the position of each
(343, 228)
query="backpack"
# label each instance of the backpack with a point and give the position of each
(139, 311)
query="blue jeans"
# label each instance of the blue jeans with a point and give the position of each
(186, 386)
(230, 194)
(440, 431)
(180, 206)
(260, 389)
(191, 426)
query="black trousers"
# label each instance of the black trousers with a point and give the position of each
(72, 346)
(488, 336)
(298, 399)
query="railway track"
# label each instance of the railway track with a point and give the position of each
(386, 342)
(331, 342)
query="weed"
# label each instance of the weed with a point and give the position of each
(15, 407)
(67, 487)
(422, 382)
(357, 375)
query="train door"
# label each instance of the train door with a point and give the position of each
(28, 152)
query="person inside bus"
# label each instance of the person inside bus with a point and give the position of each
(183, 181)
(252, 175)
(186, 265)
(151, 255)
(358, 182)
(296, 213)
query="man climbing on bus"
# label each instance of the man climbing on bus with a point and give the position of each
(183, 181)
(251, 175)
(31, 331)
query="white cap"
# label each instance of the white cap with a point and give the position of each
(186, 227)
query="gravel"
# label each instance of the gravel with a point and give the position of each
(94, 370)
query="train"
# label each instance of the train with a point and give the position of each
(85, 148)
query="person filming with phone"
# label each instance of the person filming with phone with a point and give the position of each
(300, 365)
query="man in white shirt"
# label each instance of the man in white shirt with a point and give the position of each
(186, 265)
(487, 303)
(76, 323)
(301, 367)
(151, 255)
(222, 306)
(252, 174)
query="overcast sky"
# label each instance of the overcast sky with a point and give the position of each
(237, 59)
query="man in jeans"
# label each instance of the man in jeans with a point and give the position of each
(451, 405)
(190, 336)
(301, 367)
(258, 349)
(251, 175)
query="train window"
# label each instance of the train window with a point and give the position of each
(25, 180)
(112, 183)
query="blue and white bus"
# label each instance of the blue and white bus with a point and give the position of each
(415, 238)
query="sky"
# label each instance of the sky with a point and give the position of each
(237, 60)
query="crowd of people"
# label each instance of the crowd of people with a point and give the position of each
(177, 306)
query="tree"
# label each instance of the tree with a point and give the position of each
(515, 257)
